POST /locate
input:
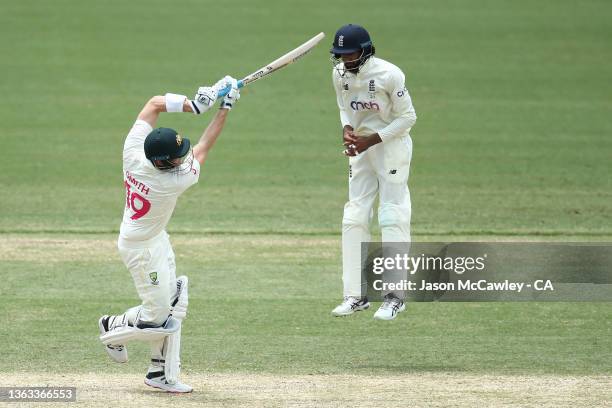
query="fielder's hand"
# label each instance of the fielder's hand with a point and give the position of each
(360, 144)
(348, 140)
(232, 97)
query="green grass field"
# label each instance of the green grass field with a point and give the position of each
(512, 143)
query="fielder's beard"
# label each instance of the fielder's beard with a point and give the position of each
(353, 65)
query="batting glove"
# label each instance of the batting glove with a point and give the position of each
(223, 83)
(204, 99)
(232, 97)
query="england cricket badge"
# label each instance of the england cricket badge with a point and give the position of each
(153, 276)
(372, 89)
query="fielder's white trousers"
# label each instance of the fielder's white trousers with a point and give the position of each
(381, 171)
(153, 269)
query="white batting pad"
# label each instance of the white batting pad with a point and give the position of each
(124, 334)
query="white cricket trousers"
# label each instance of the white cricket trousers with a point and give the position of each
(381, 171)
(153, 268)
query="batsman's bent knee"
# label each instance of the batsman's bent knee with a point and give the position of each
(154, 314)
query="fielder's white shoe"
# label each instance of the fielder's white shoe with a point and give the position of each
(390, 308)
(350, 305)
(158, 380)
(117, 352)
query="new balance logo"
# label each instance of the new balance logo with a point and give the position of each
(394, 171)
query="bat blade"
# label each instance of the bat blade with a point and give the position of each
(278, 63)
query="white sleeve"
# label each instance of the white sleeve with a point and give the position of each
(344, 119)
(134, 142)
(402, 110)
(184, 181)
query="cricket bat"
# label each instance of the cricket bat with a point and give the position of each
(278, 63)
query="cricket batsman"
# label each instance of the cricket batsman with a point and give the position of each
(376, 113)
(159, 164)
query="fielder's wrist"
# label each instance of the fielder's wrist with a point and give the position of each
(374, 139)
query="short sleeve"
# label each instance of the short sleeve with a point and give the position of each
(187, 177)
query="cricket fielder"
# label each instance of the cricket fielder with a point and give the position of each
(158, 166)
(376, 113)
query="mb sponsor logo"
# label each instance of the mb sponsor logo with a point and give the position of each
(357, 106)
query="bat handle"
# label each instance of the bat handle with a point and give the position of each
(226, 90)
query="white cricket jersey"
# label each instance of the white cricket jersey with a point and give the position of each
(151, 193)
(375, 100)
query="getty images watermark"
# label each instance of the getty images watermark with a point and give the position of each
(458, 265)
(488, 271)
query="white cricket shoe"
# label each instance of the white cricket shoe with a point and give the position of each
(350, 305)
(390, 308)
(117, 352)
(158, 380)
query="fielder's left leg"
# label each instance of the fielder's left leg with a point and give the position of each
(394, 212)
(363, 187)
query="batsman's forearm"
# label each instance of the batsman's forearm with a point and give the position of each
(156, 105)
(212, 132)
(150, 112)
(187, 106)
